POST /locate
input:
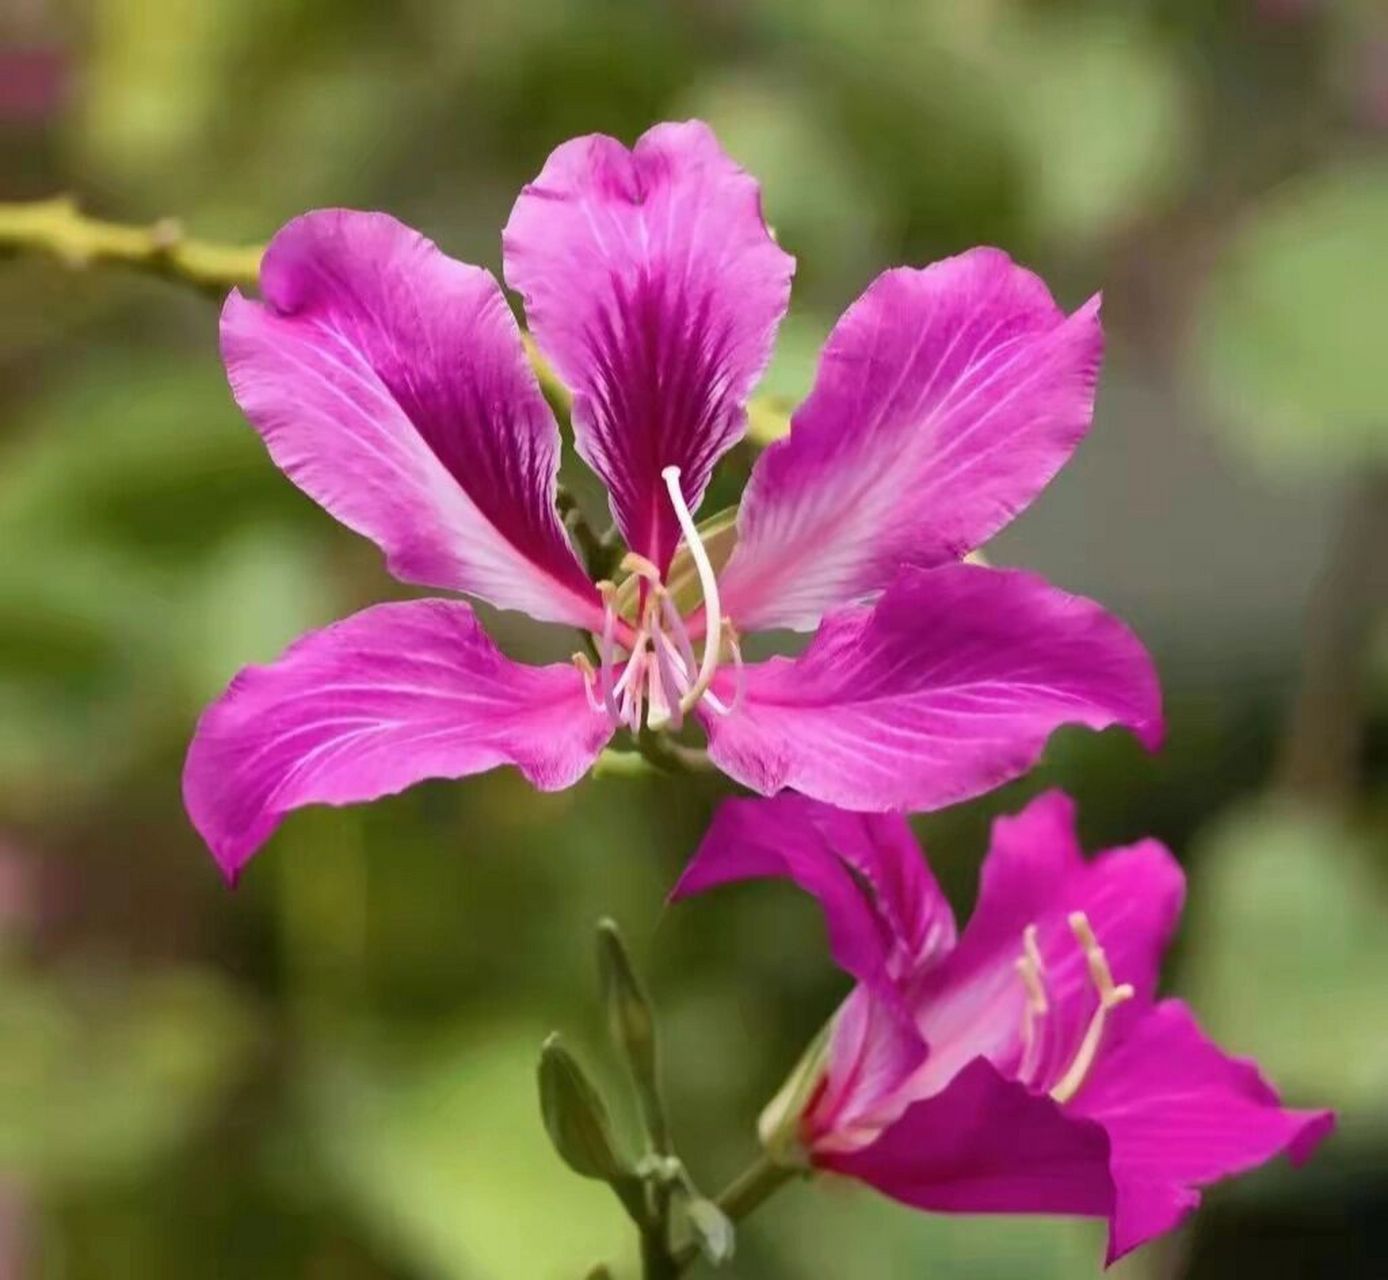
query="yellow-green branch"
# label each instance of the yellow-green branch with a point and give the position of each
(60, 230)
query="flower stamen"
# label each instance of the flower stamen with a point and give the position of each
(585, 669)
(1032, 971)
(607, 644)
(1111, 995)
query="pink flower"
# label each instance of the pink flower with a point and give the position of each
(1026, 1067)
(389, 382)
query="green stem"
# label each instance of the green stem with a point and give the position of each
(742, 1197)
(657, 1262)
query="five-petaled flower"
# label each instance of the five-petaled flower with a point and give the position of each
(1026, 1067)
(390, 383)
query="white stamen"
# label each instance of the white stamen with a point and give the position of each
(708, 584)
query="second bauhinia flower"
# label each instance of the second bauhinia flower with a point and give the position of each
(1025, 1066)
(390, 383)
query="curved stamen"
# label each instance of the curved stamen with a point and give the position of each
(585, 669)
(1032, 971)
(716, 704)
(607, 644)
(708, 584)
(1111, 995)
(739, 675)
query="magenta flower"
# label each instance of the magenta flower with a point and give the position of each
(1027, 1068)
(389, 382)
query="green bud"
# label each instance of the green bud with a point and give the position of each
(780, 1122)
(632, 1025)
(576, 1117)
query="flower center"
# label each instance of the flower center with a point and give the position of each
(1032, 971)
(657, 680)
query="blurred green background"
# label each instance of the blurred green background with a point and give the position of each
(330, 1071)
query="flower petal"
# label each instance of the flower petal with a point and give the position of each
(986, 1145)
(390, 384)
(883, 907)
(371, 705)
(654, 288)
(1180, 1114)
(945, 689)
(946, 399)
(1035, 874)
(886, 919)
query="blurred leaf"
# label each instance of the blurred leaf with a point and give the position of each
(1289, 341)
(100, 1079)
(144, 452)
(832, 1227)
(448, 1161)
(1096, 106)
(819, 206)
(152, 82)
(1288, 952)
(257, 592)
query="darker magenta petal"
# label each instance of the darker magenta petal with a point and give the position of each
(946, 399)
(389, 383)
(371, 705)
(986, 1145)
(653, 286)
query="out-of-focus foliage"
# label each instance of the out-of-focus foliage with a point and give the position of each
(331, 1071)
(1291, 340)
(444, 1159)
(1292, 899)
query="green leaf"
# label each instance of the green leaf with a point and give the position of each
(1096, 108)
(1287, 952)
(1289, 339)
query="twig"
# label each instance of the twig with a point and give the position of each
(58, 229)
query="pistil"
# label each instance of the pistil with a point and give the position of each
(708, 584)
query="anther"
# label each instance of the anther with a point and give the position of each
(634, 562)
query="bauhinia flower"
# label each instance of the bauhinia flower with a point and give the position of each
(391, 385)
(1026, 1067)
